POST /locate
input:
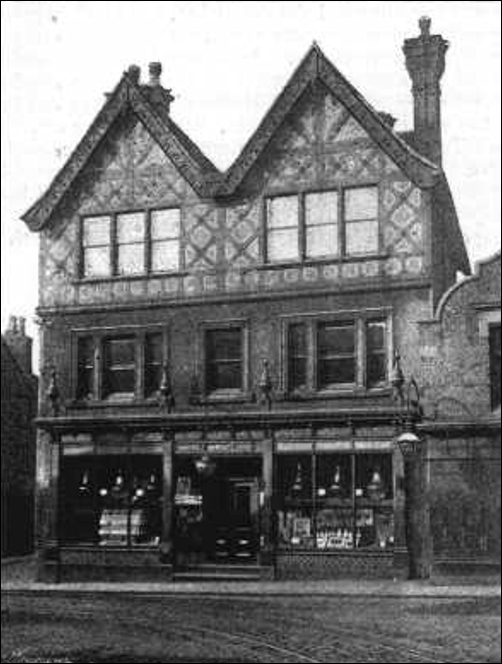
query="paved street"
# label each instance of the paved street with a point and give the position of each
(120, 629)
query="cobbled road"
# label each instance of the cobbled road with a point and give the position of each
(122, 629)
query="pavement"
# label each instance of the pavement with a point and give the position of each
(18, 577)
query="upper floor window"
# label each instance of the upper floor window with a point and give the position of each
(282, 228)
(361, 221)
(323, 224)
(339, 354)
(126, 366)
(131, 243)
(495, 368)
(336, 358)
(85, 368)
(96, 243)
(119, 366)
(224, 359)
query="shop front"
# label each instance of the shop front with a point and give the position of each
(277, 502)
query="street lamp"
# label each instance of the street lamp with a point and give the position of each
(417, 520)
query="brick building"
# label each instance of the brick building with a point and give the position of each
(460, 356)
(18, 442)
(221, 344)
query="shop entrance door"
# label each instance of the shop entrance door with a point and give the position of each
(236, 523)
(218, 516)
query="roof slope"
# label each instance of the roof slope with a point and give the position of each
(187, 157)
(316, 66)
(197, 168)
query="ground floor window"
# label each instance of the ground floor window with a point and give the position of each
(335, 501)
(111, 500)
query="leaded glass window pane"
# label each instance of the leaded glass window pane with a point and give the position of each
(165, 255)
(322, 241)
(131, 227)
(361, 203)
(361, 238)
(96, 231)
(165, 224)
(321, 208)
(97, 261)
(282, 212)
(131, 258)
(283, 245)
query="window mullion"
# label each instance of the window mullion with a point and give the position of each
(302, 232)
(342, 223)
(360, 354)
(148, 242)
(113, 245)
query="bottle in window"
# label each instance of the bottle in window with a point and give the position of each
(376, 488)
(336, 487)
(297, 488)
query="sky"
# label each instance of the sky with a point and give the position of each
(226, 62)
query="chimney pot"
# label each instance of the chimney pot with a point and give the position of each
(19, 343)
(134, 73)
(425, 26)
(155, 71)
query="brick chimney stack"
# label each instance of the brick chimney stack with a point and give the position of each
(425, 62)
(19, 343)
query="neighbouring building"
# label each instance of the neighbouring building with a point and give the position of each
(217, 347)
(460, 356)
(18, 441)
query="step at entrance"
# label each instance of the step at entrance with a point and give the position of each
(237, 573)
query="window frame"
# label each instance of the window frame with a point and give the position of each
(494, 366)
(341, 254)
(224, 394)
(147, 242)
(312, 321)
(99, 336)
(312, 503)
(89, 457)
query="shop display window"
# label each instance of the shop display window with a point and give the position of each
(336, 501)
(111, 500)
